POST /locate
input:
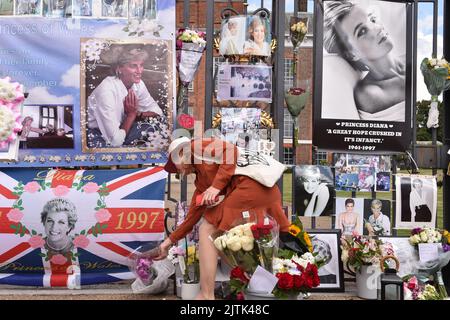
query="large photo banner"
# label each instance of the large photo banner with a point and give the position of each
(363, 76)
(100, 89)
(60, 227)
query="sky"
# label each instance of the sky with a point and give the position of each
(424, 35)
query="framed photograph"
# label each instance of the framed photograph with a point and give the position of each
(10, 152)
(377, 217)
(6, 7)
(346, 181)
(82, 8)
(326, 244)
(28, 8)
(246, 35)
(244, 82)
(144, 67)
(349, 215)
(405, 253)
(114, 8)
(240, 126)
(47, 127)
(416, 201)
(383, 182)
(314, 191)
(357, 41)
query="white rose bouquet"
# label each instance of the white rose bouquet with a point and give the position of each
(238, 247)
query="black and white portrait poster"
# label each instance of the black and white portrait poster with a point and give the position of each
(326, 246)
(314, 191)
(416, 201)
(244, 82)
(377, 217)
(363, 76)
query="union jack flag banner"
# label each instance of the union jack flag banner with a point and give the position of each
(59, 228)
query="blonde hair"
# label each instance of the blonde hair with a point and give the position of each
(60, 205)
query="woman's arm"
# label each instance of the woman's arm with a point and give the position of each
(192, 217)
(323, 195)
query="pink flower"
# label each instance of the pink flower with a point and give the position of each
(15, 215)
(61, 191)
(102, 215)
(81, 241)
(91, 187)
(58, 259)
(36, 242)
(32, 187)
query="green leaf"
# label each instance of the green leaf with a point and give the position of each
(48, 184)
(19, 202)
(83, 232)
(105, 226)
(47, 258)
(33, 232)
(77, 254)
(21, 208)
(99, 203)
(96, 208)
(14, 226)
(43, 255)
(75, 184)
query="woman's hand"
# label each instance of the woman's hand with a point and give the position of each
(209, 196)
(163, 249)
(130, 104)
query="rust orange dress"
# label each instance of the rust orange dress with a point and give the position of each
(241, 193)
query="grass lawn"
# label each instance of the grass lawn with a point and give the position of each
(287, 196)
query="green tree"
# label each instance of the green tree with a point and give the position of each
(423, 133)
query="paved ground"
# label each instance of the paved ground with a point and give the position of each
(122, 291)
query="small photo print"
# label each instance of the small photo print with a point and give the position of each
(28, 7)
(82, 8)
(314, 191)
(326, 247)
(416, 201)
(377, 217)
(383, 182)
(115, 8)
(349, 215)
(56, 8)
(47, 127)
(240, 126)
(232, 36)
(6, 7)
(366, 179)
(241, 82)
(385, 164)
(346, 181)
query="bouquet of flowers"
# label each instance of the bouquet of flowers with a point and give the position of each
(417, 290)
(11, 97)
(265, 234)
(433, 268)
(436, 74)
(295, 275)
(358, 251)
(190, 46)
(238, 247)
(141, 264)
(303, 242)
(426, 235)
(296, 99)
(298, 31)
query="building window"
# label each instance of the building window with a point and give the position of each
(321, 158)
(288, 73)
(288, 156)
(288, 124)
(191, 86)
(48, 116)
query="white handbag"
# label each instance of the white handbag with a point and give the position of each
(260, 167)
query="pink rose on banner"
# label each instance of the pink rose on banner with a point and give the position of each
(91, 187)
(61, 191)
(81, 241)
(15, 215)
(58, 259)
(36, 242)
(102, 215)
(32, 187)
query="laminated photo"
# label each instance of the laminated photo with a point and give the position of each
(244, 82)
(240, 126)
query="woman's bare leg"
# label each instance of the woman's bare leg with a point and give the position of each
(208, 262)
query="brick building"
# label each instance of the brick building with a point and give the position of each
(197, 20)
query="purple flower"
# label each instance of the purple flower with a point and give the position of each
(143, 269)
(179, 44)
(416, 231)
(446, 247)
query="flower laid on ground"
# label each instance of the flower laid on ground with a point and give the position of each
(144, 270)
(359, 250)
(416, 290)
